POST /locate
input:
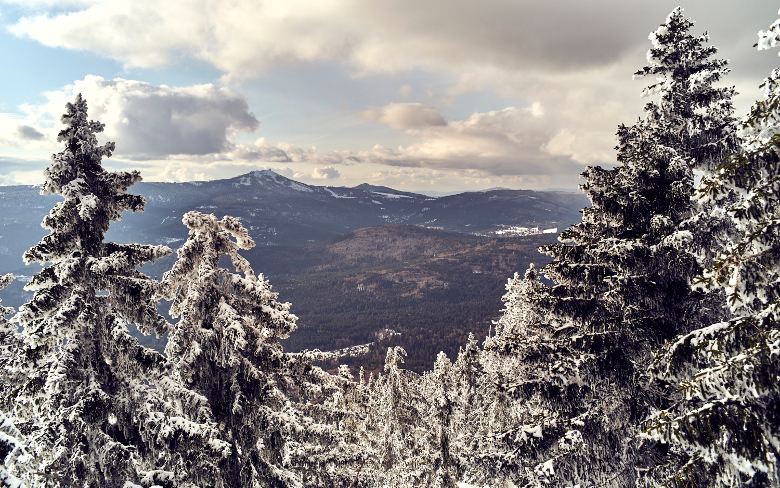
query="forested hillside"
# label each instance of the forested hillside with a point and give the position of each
(432, 287)
(644, 352)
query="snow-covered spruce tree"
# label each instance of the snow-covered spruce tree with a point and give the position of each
(438, 387)
(226, 348)
(9, 342)
(727, 422)
(622, 285)
(692, 117)
(334, 446)
(13, 451)
(88, 405)
(522, 392)
(403, 444)
(289, 423)
(14, 455)
(471, 402)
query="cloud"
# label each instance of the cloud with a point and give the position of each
(507, 142)
(328, 173)
(173, 172)
(27, 132)
(155, 122)
(405, 115)
(18, 171)
(575, 60)
(514, 141)
(245, 38)
(262, 150)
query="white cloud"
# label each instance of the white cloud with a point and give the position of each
(283, 152)
(405, 115)
(405, 91)
(147, 121)
(245, 37)
(328, 173)
(24, 131)
(513, 141)
(498, 142)
(181, 172)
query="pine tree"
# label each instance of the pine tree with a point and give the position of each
(13, 450)
(14, 454)
(226, 348)
(726, 423)
(439, 388)
(92, 403)
(333, 445)
(622, 284)
(9, 343)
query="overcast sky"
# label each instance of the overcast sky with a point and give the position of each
(431, 96)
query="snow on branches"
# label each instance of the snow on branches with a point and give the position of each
(225, 347)
(725, 421)
(90, 397)
(573, 357)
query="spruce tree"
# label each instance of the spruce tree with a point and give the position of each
(332, 446)
(621, 284)
(226, 348)
(14, 455)
(725, 425)
(13, 451)
(438, 388)
(9, 343)
(92, 402)
(405, 427)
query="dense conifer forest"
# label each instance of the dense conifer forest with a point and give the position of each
(644, 352)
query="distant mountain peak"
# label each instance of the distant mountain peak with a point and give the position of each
(265, 172)
(495, 188)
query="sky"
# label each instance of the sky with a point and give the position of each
(434, 97)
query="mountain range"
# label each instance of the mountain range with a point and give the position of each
(279, 211)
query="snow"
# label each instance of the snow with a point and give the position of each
(390, 195)
(335, 195)
(168, 240)
(300, 187)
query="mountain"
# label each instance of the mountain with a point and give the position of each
(279, 211)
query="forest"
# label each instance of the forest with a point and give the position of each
(646, 352)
